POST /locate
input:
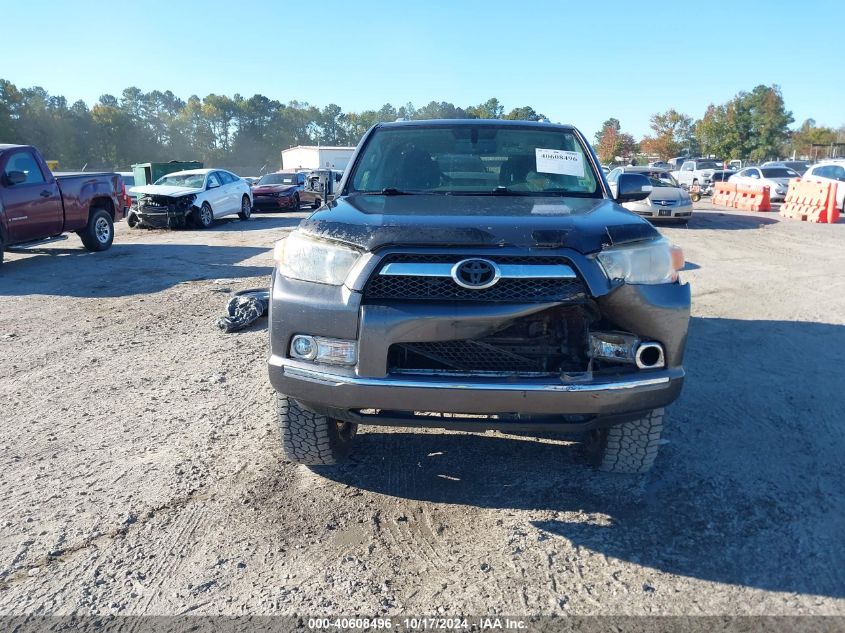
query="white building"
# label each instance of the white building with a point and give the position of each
(316, 156)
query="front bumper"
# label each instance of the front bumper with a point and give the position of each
(268, 203)
(659, 313)
(339, 395)
(160, 219)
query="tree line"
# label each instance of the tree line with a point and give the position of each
(245, 135)
(752, 125)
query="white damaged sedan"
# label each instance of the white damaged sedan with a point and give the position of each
(196, 196)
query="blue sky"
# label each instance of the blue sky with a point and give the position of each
(578, 62)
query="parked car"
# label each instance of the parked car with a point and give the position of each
(798, 166)
(667, 200)
(284, 190)
(719, 175)
(661, 164)
(198, 196)
(697, 171)
(832, 170)
(36, 204)
(776, 178)
(417, 300)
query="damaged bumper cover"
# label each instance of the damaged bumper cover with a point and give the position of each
(374, 392)
(161, 212)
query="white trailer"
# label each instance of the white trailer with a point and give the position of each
(316, 157)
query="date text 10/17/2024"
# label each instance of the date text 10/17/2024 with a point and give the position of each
(418, 624)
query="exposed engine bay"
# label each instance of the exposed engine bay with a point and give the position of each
(158, 212)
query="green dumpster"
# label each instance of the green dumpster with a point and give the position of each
(148, 173)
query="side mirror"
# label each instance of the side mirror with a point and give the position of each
(16, 177)
(211, 185)
(632, 187)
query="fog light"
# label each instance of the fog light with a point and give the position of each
(324, 350)
(336, 352)
(304, 347)
(614, 346)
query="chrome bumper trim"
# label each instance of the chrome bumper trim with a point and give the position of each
(315, 375)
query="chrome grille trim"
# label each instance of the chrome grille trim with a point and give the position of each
(508, 271)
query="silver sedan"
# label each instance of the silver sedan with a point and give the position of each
(667, 201)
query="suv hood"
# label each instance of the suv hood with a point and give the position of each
(373, 221)
(166, 190)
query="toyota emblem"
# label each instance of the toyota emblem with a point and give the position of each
(475, 274)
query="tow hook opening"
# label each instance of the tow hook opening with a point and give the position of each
(650, 356)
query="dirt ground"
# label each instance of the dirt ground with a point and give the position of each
(142, 472)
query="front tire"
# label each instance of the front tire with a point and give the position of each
(204, 216)
(317, 203)
(246, 209)
(98, 235)
(296, 202)
(630, 447)
(311, 438)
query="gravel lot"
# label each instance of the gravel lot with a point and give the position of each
(142, 474)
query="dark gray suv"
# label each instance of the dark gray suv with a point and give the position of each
(476, 274)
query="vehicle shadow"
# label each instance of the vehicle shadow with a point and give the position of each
(749, 490)
(727, 221)
(226, 225)
(128, 269)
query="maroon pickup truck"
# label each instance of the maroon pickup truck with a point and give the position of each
(35, 204)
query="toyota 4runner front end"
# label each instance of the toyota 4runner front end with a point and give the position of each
(476, 275)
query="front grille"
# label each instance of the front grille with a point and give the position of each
(472, 356)
(414, 288)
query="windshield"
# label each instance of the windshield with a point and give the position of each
(708, 164)
(474, 159)
(194, 181)
(660, 178)
(798, 167)
(278, 179)
(778, 172)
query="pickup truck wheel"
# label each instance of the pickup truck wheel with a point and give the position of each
(630, 447)
(317, 203)
(246, 209)
(99, 233)
(310, 438)
(204, 216)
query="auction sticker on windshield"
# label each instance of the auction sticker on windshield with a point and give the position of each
(557, 161)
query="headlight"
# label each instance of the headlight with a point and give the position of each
(308, 259)
(655, 262)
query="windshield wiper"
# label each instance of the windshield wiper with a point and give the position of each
(388, 191)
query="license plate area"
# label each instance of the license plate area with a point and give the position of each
(664, 212)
